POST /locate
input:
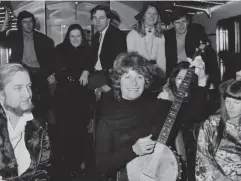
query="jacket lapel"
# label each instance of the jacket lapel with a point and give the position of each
(33, 137)
(8, 161)
(36, 45)
(106, 43)
(33, 134)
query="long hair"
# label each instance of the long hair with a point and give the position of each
(172, 79)
(232, 91)
(140, 25)
(75, 27)
(171, 84)
(22, 15)
(7, 71)
(125, 62)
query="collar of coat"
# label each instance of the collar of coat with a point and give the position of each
(33, 132)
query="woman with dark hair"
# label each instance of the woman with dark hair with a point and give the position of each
(174, 81)
(130, 121)
(232, 66)
(72, 99)
(186, 142)
(147, 37)
(219, 141)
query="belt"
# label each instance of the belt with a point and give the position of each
(69, 79)
(152, 61)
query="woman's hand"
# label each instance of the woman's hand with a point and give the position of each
(166, 94)
(105, 88)
(199, 70)
(51, 79)
(90, 126)
(144, 146)
(84, 77)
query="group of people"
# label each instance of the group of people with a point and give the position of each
(125, 70)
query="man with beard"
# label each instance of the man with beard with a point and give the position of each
(24, 142)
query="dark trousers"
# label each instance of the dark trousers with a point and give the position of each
(72, 112)
(190, 147)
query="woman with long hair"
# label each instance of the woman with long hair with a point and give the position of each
(219, 141)
(147, 37)
(72, 99)
(174, 81)
(186, 142)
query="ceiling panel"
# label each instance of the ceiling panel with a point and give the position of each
(192, 7)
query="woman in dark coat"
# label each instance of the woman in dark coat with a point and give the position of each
(72, 98)
(130, 121)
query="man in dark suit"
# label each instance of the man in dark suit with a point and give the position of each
(182, 41)
(33, 50)
(108, 41)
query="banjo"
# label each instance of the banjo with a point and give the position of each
(163, 164)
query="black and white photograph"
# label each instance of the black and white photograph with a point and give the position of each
(120, 90)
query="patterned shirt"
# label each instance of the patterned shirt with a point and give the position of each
(226, 161)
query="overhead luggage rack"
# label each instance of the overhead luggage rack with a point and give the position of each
(12, 22)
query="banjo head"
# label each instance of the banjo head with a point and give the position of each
(165, 166)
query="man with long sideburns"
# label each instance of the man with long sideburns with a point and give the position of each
(24, 142)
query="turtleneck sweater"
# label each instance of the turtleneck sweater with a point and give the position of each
(123, 122)
(123, 114)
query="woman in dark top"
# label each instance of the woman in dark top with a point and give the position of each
(175, 80)
(186, 145)
(130, 121)
(72, 98)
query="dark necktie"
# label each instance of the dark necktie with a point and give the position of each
(98, 39)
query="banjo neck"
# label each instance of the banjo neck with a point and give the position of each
(162, 164)
(175, 107)
(178, 99)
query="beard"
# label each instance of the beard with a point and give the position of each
(18, 111)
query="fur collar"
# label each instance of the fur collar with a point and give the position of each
(33, 135)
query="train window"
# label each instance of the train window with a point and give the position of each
(59, 15)
(228, 34)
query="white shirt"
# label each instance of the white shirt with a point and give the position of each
(98, 63)
(149, 46)
(18, 142)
